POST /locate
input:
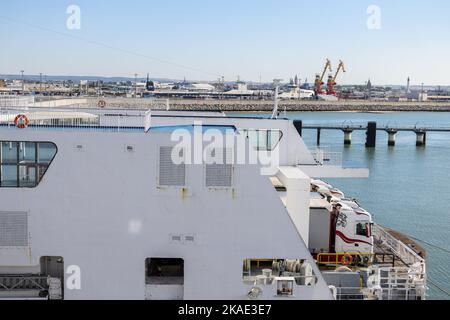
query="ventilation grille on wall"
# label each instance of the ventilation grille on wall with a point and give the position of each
(171, 174)
(13, 229)
(220, 173)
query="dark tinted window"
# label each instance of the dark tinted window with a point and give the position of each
(23, 164)
(362, 229)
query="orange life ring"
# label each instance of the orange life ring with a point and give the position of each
(101, 103)
(21, 121)
(347, 259)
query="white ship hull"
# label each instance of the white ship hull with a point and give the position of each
(101, 223)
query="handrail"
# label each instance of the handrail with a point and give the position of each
(415, 263)
(355, 293)
(337, 257)
(398, 247)
(66, 119)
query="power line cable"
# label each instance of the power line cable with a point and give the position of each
(431, 245)
(439, 287)
(97, 43)
(429, 280)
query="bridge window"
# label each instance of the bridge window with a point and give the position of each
(23, 164)
(263, 139)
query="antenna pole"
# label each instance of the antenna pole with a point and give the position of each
(276, 82)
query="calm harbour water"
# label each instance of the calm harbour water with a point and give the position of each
(408, 188)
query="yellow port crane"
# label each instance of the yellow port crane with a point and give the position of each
(332, 80)
(319, 79)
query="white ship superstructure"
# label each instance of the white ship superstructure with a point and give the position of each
(93, 206)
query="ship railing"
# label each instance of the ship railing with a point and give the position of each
(83, 102)
(358, 293)
(76, 119)
(343, 258)
(405, 253)
(125, 103)
(358, 258)
(325, 157)
(8, 101)
(349, 293)
(396, 283)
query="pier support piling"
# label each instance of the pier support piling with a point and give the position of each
(347, 136)
(391, 137)
(371, 135)
(421, 138)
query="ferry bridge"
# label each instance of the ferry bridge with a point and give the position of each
(371, 129)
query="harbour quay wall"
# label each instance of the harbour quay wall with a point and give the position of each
(267, 105)
(247, 105)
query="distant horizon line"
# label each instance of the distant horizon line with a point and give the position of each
(160, 79)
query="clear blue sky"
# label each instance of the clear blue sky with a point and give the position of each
(206, 39)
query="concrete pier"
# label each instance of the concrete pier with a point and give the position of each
(391, 137)
(371, 132)
(347, 136)
(421, 138)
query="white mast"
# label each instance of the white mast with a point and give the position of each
(276, 82)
